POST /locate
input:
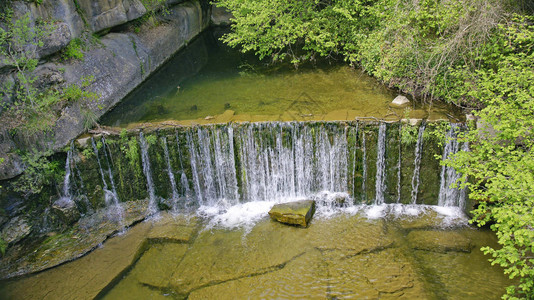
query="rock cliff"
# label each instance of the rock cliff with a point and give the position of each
(125, 52)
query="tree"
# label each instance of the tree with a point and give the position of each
(499, 169)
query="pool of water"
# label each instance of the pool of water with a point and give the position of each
(210, 83)
(361, 252)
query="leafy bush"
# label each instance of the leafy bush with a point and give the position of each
(73, 50)
(39, 172)
(500, 165)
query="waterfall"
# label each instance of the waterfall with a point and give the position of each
(355, 134)
(147, 170)
(104, 183)
(364, 166)
(290, 160)
(399, 165)
(110, 196)
(116, 210)
(110, 174)
(218, 167)
(65, 200)
(417, 163)
(184, 182)
(68, 169)
(169, 169)
(451, 196)
(213, 165)
(380, 185)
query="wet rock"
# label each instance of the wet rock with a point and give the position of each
(83, 141)
(219, 255)
(84, 236)
(86, 277)
(16, 229)
(400, 101)
(439, 241)
(225, 117)
(337, 234)
(66, 209)
(158, 263)
(285, 282)
(373, 276)
(177, 229)
(293, 213)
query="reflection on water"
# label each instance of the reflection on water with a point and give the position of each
(208, 79)
(408, 252)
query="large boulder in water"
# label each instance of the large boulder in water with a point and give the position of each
(293, 213)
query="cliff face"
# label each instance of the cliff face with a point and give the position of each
(123, 55)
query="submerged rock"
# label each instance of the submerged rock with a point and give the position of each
(294, 213)
(439, 241)
(400, 101)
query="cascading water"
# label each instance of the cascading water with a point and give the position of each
(110, 196)
(116, 211)
(380, 184)
(147, 170)
(170, 171)
(399, 173)
(451, 196)
(68, 169)
(289, 160)
(213, 165)
(184, 181)
(364, 172)
(254, 165)
(417, 163)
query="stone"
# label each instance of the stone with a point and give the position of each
(412, 122)
(220, 16)
(157, 264)
(439, 241)
(400, 101)
(15, 230)
(470, 118)
(83, 237)
(58, 39)
(220, 255)
(284, 283)
(106, 14)
(63, 11)
(293, 213)
(374, 275)
(177, 229)
(66, 209)
(225, 117)
(86, 277)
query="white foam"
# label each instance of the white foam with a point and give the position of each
(240, 215)
(376, 211)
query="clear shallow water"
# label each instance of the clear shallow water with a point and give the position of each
(362, 252)
(229, 86)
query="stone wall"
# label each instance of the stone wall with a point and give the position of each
(122, 57)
